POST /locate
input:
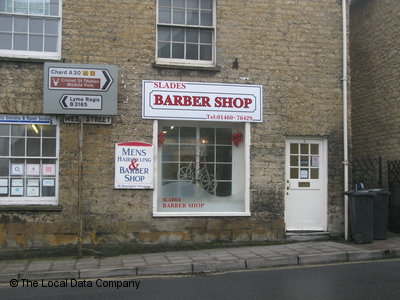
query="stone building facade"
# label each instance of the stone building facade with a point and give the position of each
(375, 75)
(292, 49)
(375, 94)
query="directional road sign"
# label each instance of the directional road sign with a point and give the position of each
(80, 89)
(81, 102)
(79, 79)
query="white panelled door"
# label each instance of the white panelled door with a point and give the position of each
(306, 185)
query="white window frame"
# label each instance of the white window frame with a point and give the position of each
(26, 54)
(189, 62)
(157, 173)
(36, 200)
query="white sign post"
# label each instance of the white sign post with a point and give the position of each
(134, 166)
(201, 101)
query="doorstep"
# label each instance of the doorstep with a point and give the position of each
(304, 236)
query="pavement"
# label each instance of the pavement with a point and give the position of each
(199, 261)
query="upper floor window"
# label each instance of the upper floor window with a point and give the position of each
(186, 32)
(30, 29)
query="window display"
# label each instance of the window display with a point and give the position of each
(201, 168)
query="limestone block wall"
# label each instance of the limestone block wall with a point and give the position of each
(375, 64)
(291, 48)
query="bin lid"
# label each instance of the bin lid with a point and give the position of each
(367, 192)
(379, 191)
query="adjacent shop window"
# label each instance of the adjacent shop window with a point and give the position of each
(28, 163)
(201, 170)
(186, 31)
(30, 28)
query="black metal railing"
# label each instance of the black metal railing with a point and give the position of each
(394, 199)
(368, 171)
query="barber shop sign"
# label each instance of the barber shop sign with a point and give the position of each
(134, 166)
(177, 100)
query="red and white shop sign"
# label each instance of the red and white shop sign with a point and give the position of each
(177, 100)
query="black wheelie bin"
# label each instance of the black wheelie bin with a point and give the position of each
(361, 207)
(381, 214)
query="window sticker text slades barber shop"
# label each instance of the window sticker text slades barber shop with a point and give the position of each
(134, 166)
(202, 101)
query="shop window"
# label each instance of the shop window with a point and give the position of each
(201, 171)
(186, 32)
(30, 28)
(28, 163)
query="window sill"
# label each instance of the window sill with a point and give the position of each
(39, 207)
(186, 67)
(29, 59)
(201, 214)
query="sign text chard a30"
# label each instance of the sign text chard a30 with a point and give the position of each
(79, 78)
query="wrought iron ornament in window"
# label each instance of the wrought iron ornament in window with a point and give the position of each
(185, 31)
(30, 28)
(198, 173)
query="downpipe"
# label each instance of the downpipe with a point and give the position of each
(345, 121)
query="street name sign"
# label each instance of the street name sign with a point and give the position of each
(80, 89)
(100, 120)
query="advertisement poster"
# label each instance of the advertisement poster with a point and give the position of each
(134, 166)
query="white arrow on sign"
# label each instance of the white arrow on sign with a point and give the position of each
(94, 102)
(79, 79)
